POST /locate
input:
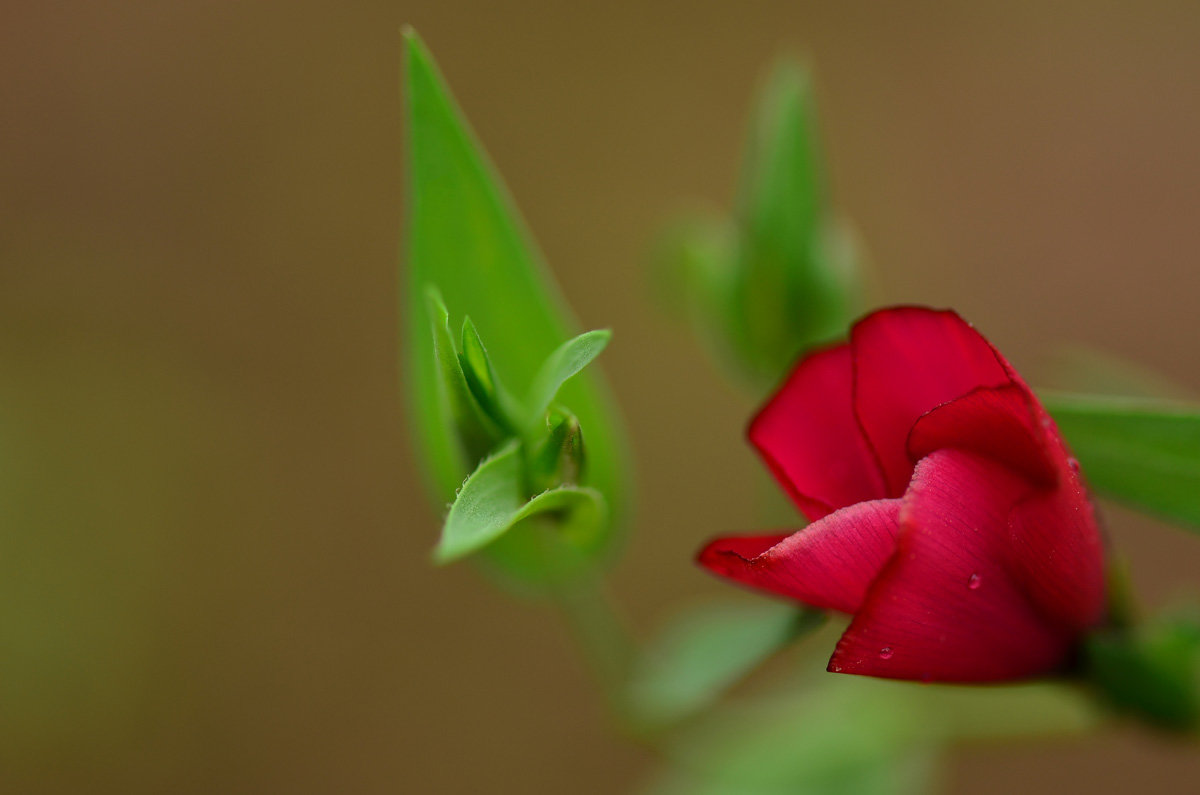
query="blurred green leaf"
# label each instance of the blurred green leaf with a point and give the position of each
(565, 361)
(1084, 370)
(1151, 671)
(838, 736)
(465, 237)
(1140, 451)
(1009, 712)
(492, 502)
(705, 651)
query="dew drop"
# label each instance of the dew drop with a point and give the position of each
(973, 582)
(1073, 463)
(886, 653)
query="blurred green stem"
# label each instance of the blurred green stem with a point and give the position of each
(602, 634)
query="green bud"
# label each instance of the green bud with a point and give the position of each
(559, 458)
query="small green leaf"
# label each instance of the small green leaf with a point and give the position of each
(456, 406)
(707, 650)
(566, 361)
(492, 502)
(1139, 451)
(481, 380)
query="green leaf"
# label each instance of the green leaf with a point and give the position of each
(464, 235)
(1143, 452)
(707, 650)
(566, 361)
(492, 503)
(1151, 671)
(482, 382)
(457, 409)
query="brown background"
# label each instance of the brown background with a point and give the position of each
(212, 541)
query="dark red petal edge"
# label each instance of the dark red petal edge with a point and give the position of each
(830, 564)
(809, 439)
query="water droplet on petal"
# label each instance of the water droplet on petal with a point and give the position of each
(973, 582)
(1073, 463)
(886, 653)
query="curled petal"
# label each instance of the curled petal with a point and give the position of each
(810, 439)
(829, 564)
(956, 602)
(907, 361)
(999, 422)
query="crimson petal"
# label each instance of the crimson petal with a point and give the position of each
(907, 361)
(829, 564)
(1000, 422)
(956, 602)
(810, 439)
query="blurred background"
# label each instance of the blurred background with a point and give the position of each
(213, 540)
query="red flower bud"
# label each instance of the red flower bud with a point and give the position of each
(947, 514)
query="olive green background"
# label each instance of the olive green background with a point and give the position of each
(213, 540)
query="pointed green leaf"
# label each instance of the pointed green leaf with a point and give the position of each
(707, 650)
(464, 235)
(1143, 452)
(566, 361)
(481, 380)
(457, 408)
(492, 502)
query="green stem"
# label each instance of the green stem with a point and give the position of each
(601, 633)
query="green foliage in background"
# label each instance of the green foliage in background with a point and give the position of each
(1151, 670)
(827, 735)
(780, 276)
(1141, 451)
(706, 650)
(466, 245)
